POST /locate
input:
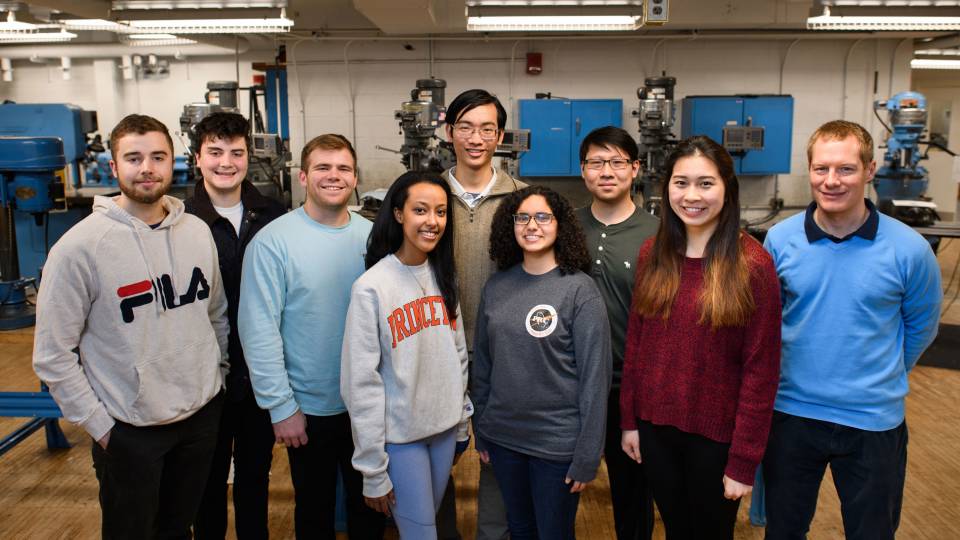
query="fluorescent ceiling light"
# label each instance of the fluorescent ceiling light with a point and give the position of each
(892, 3)
(937, 52)
(553, 3)
(92, 24)
(211, 26)
(196, 4)
(884, 24)
(36, 37)
(149, 37)
(144, 40)
(547, 23)
(934, 63)
(13, 25)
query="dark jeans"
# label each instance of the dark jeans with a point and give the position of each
(246, 433)
(539, 503)
(152, 477)
(313, 468)
(629, 489)
(869, 468)
(686, 473)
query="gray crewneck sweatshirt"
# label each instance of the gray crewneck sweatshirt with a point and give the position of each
(541, 367)
(403, 369)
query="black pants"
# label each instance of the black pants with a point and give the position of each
(869, 469)
(629, 490)
(151, 478)
(313, 468)
(686, 473)
(246, 434)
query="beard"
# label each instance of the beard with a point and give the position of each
(132, 193)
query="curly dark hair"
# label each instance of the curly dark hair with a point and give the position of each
(570, 247)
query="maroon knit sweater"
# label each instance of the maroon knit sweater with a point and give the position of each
(719, 384)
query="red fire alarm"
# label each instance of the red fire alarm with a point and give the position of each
(534, 63)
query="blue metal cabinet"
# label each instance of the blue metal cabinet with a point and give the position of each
(557, 127)
(708, 115)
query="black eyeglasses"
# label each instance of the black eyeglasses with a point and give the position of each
(542, 218)
(617, 164)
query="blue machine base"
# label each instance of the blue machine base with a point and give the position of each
(42, 408)
(15, 311)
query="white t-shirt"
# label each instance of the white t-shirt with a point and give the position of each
(234, 214)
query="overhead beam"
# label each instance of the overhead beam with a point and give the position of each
(83, 9)
(944, 42)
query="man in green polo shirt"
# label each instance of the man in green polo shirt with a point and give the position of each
(615, 229)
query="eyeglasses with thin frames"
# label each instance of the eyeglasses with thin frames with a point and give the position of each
(465, 131)
(542, 218)
(617, 163)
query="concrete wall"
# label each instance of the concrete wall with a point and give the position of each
(829, 78)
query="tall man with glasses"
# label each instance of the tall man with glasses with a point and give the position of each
(615, 228)
(475, 123)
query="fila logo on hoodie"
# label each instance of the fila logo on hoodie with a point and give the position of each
(138, 294)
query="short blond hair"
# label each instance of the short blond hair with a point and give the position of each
(838, 130)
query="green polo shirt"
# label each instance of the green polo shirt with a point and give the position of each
(613, 257)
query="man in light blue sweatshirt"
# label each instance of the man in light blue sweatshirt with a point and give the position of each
(861, 301)
(294, 295)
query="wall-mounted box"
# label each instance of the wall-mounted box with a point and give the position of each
(733, 121)
(557, 127)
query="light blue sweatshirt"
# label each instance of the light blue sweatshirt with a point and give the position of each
(294, 296)
(856, 316)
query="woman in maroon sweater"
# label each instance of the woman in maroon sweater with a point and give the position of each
(702, 358)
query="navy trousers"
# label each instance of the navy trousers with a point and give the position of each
(869, 468)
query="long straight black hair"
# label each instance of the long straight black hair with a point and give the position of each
(387, 234)
(726, 298)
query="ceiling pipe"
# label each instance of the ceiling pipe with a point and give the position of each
(116, 50)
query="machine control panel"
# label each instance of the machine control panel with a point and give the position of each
(515, 141)
(265, 145)
(742, 138)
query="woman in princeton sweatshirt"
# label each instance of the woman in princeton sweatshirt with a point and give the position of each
(702, 358)
(542, 365)
(404, 363)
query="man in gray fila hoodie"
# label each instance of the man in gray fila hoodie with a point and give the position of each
(136, 286)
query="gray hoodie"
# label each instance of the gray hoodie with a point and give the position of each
(403, 369)
(146, 308)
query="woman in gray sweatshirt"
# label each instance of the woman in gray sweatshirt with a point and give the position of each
(542, 365)
(404, 363)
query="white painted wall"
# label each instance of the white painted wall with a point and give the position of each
(99, 85)
(828, 79)
(942, 89)
(818, 73)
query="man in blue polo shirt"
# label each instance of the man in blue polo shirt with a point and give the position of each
(861, 301)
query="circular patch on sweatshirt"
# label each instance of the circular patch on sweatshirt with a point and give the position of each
(541, 321)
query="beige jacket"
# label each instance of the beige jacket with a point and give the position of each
(471, 246)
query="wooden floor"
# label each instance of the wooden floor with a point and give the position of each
(47, 494)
